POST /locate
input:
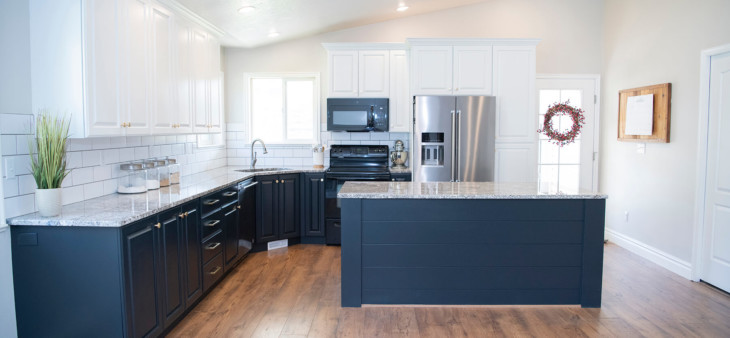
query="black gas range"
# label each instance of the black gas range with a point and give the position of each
(350, 163)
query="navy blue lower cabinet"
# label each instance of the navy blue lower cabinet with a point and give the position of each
(193, 256)
(422, 251)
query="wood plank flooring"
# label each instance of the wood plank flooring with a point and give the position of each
(295, 292)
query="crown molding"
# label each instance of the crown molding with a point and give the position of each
(192, 16)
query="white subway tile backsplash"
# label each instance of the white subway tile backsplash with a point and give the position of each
(93, 190)
(74, 159)
(80, 144)
(117, 142)
(126, 154)
(71, 194)
(68, 181)
(26, 184)
(155, 151)
(10, 187)
(170, 139)
(83, 175)
(101, 143)
(110, 186)
(91, 158)
(165, 150)
(22, 146)
(19, 205)
(103, 172)
(9, 142)
(141, 153)
(380, 136)
(110, 156)
(340, 136)
(235, 127)
(178, 149)
(148, 140)
(360, 136)
(134, 141)
(22, 164)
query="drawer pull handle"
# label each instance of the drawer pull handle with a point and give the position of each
(158, 225)
(211, 223)
(229, 194)
(211, 202)
(215, 271)
(182, 215)
(212, 246)
(250, 185)
(238, 207)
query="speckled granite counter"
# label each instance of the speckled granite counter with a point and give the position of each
(455, 190)
(116, 210)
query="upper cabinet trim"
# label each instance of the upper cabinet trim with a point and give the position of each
(470, 42)
(179, 9)
(365, 46)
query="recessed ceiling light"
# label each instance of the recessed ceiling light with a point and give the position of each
(273, 34)
(401, 8)
(246, 10)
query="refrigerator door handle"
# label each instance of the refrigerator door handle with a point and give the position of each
(454, 154)
(457, 132)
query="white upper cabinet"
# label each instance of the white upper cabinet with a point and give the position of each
(452, 70)
(343, 69)
(514, 87)
(472, 70)
(207, 85)
(400, 102)
(374, 72)
(118, 67)
(432, 70)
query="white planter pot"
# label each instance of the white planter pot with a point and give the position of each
(48, 202)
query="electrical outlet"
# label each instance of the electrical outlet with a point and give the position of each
(9, 168)
(626, 216)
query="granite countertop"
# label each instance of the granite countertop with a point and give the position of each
(455, 190)
(117, 210)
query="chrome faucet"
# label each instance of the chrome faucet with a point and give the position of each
(253, 154)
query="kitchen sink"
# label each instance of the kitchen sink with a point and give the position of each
(261, 169)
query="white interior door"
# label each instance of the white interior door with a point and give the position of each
(716, 234)
(572, 166)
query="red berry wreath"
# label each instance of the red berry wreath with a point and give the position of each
(557, 109)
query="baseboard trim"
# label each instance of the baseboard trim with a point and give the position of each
(654, 255)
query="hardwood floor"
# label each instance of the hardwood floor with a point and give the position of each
(295, 292)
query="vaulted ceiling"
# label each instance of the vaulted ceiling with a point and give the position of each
(272, 21)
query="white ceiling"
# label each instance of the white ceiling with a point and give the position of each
(299, 18)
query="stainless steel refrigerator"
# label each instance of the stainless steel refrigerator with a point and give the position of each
(454, 138)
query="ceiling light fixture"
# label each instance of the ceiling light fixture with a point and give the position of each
(273, 34)
(401, 8)
(246, 10)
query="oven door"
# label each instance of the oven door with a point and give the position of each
(333, 184)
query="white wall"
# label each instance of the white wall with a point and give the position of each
(650, 42)
(14, 98)
(569, 45)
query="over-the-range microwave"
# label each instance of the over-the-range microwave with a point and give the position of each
(357, 114)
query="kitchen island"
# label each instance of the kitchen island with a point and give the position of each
(470, 243)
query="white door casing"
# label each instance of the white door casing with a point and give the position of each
(584, 90)
(712, 212)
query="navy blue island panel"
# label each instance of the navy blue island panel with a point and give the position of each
(472, 251)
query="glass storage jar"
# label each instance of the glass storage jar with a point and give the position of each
(164, 172)
(134, 180)
(174, 169)
(153, 175)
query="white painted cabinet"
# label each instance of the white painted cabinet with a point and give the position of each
(400, 100)
(374, 73)
(207, 84)
(343, 69)
(452, 70)
(118, 72)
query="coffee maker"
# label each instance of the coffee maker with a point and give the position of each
(399, 155)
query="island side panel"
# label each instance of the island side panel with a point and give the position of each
(351, 268)
(594, 227)
(422, 251)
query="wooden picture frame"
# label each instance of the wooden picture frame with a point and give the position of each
(662, 113)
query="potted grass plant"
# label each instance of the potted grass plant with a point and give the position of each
(48, 161)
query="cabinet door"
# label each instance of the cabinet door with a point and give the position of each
(288, 195)
(230, 233)
(102, 88)
(373, 74)
(164, 116)
(172, 254)
(193, 256)
(472, 70)
(432, 70)
(183, 77)
(514, 87)
(215, 120)
(141, 265)
(313, 205)
(199, 58)
(266, 209)
(343, 69)
(136, 49)
(400, 101)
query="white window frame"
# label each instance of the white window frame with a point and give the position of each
(247, 77)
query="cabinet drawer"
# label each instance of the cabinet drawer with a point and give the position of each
(212, 272)
(211, 202)
(212, 246)
(211, 224)
(228, 195)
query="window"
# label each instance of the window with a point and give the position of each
(283, 108)
(559, 167)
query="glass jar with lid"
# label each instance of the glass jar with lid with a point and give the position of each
(153, 175)
(164, 172)
(174, 169)
(134, 180)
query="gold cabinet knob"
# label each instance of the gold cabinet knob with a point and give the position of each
(181, 215)
(238, 207)
(277, 181)
(321, 179)
(186, 214)
(158, 225)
